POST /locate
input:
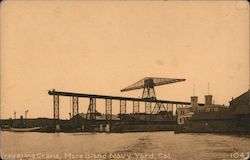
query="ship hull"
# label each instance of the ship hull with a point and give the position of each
(24, 129)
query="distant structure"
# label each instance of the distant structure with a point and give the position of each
(25, 113)
(14, 114)
(148, 84)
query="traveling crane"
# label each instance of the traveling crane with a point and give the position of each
(148, 84)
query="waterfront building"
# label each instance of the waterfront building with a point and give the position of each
(210, 107)
(241, 104)
(235, 118)
(185, 113)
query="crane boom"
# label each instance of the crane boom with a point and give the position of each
(151, 82)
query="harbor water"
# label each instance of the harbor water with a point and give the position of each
(134, 146)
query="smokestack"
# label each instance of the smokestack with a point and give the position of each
(208, 100)
(194, 102)
(208, 97)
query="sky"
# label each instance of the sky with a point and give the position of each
(100, 47)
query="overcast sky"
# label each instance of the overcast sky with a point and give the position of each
(100, 47)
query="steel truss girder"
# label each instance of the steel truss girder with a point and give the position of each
(169, 106)
(179, 106)
(81, 95)
(158, 107)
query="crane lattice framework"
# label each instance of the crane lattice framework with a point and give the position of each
(149, 98)
(148, 84)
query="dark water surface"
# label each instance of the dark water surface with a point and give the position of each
(141, 146)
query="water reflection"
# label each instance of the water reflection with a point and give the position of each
(148, 145)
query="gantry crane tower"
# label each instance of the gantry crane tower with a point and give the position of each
(148, 84)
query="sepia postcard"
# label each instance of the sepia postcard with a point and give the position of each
(124, 80)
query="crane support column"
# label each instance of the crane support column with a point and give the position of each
(123, 109)
(172, 107)
(108, 109)
(147, 110)
(136, 106)
(56, 107)
(75, 104)
(91, 113)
